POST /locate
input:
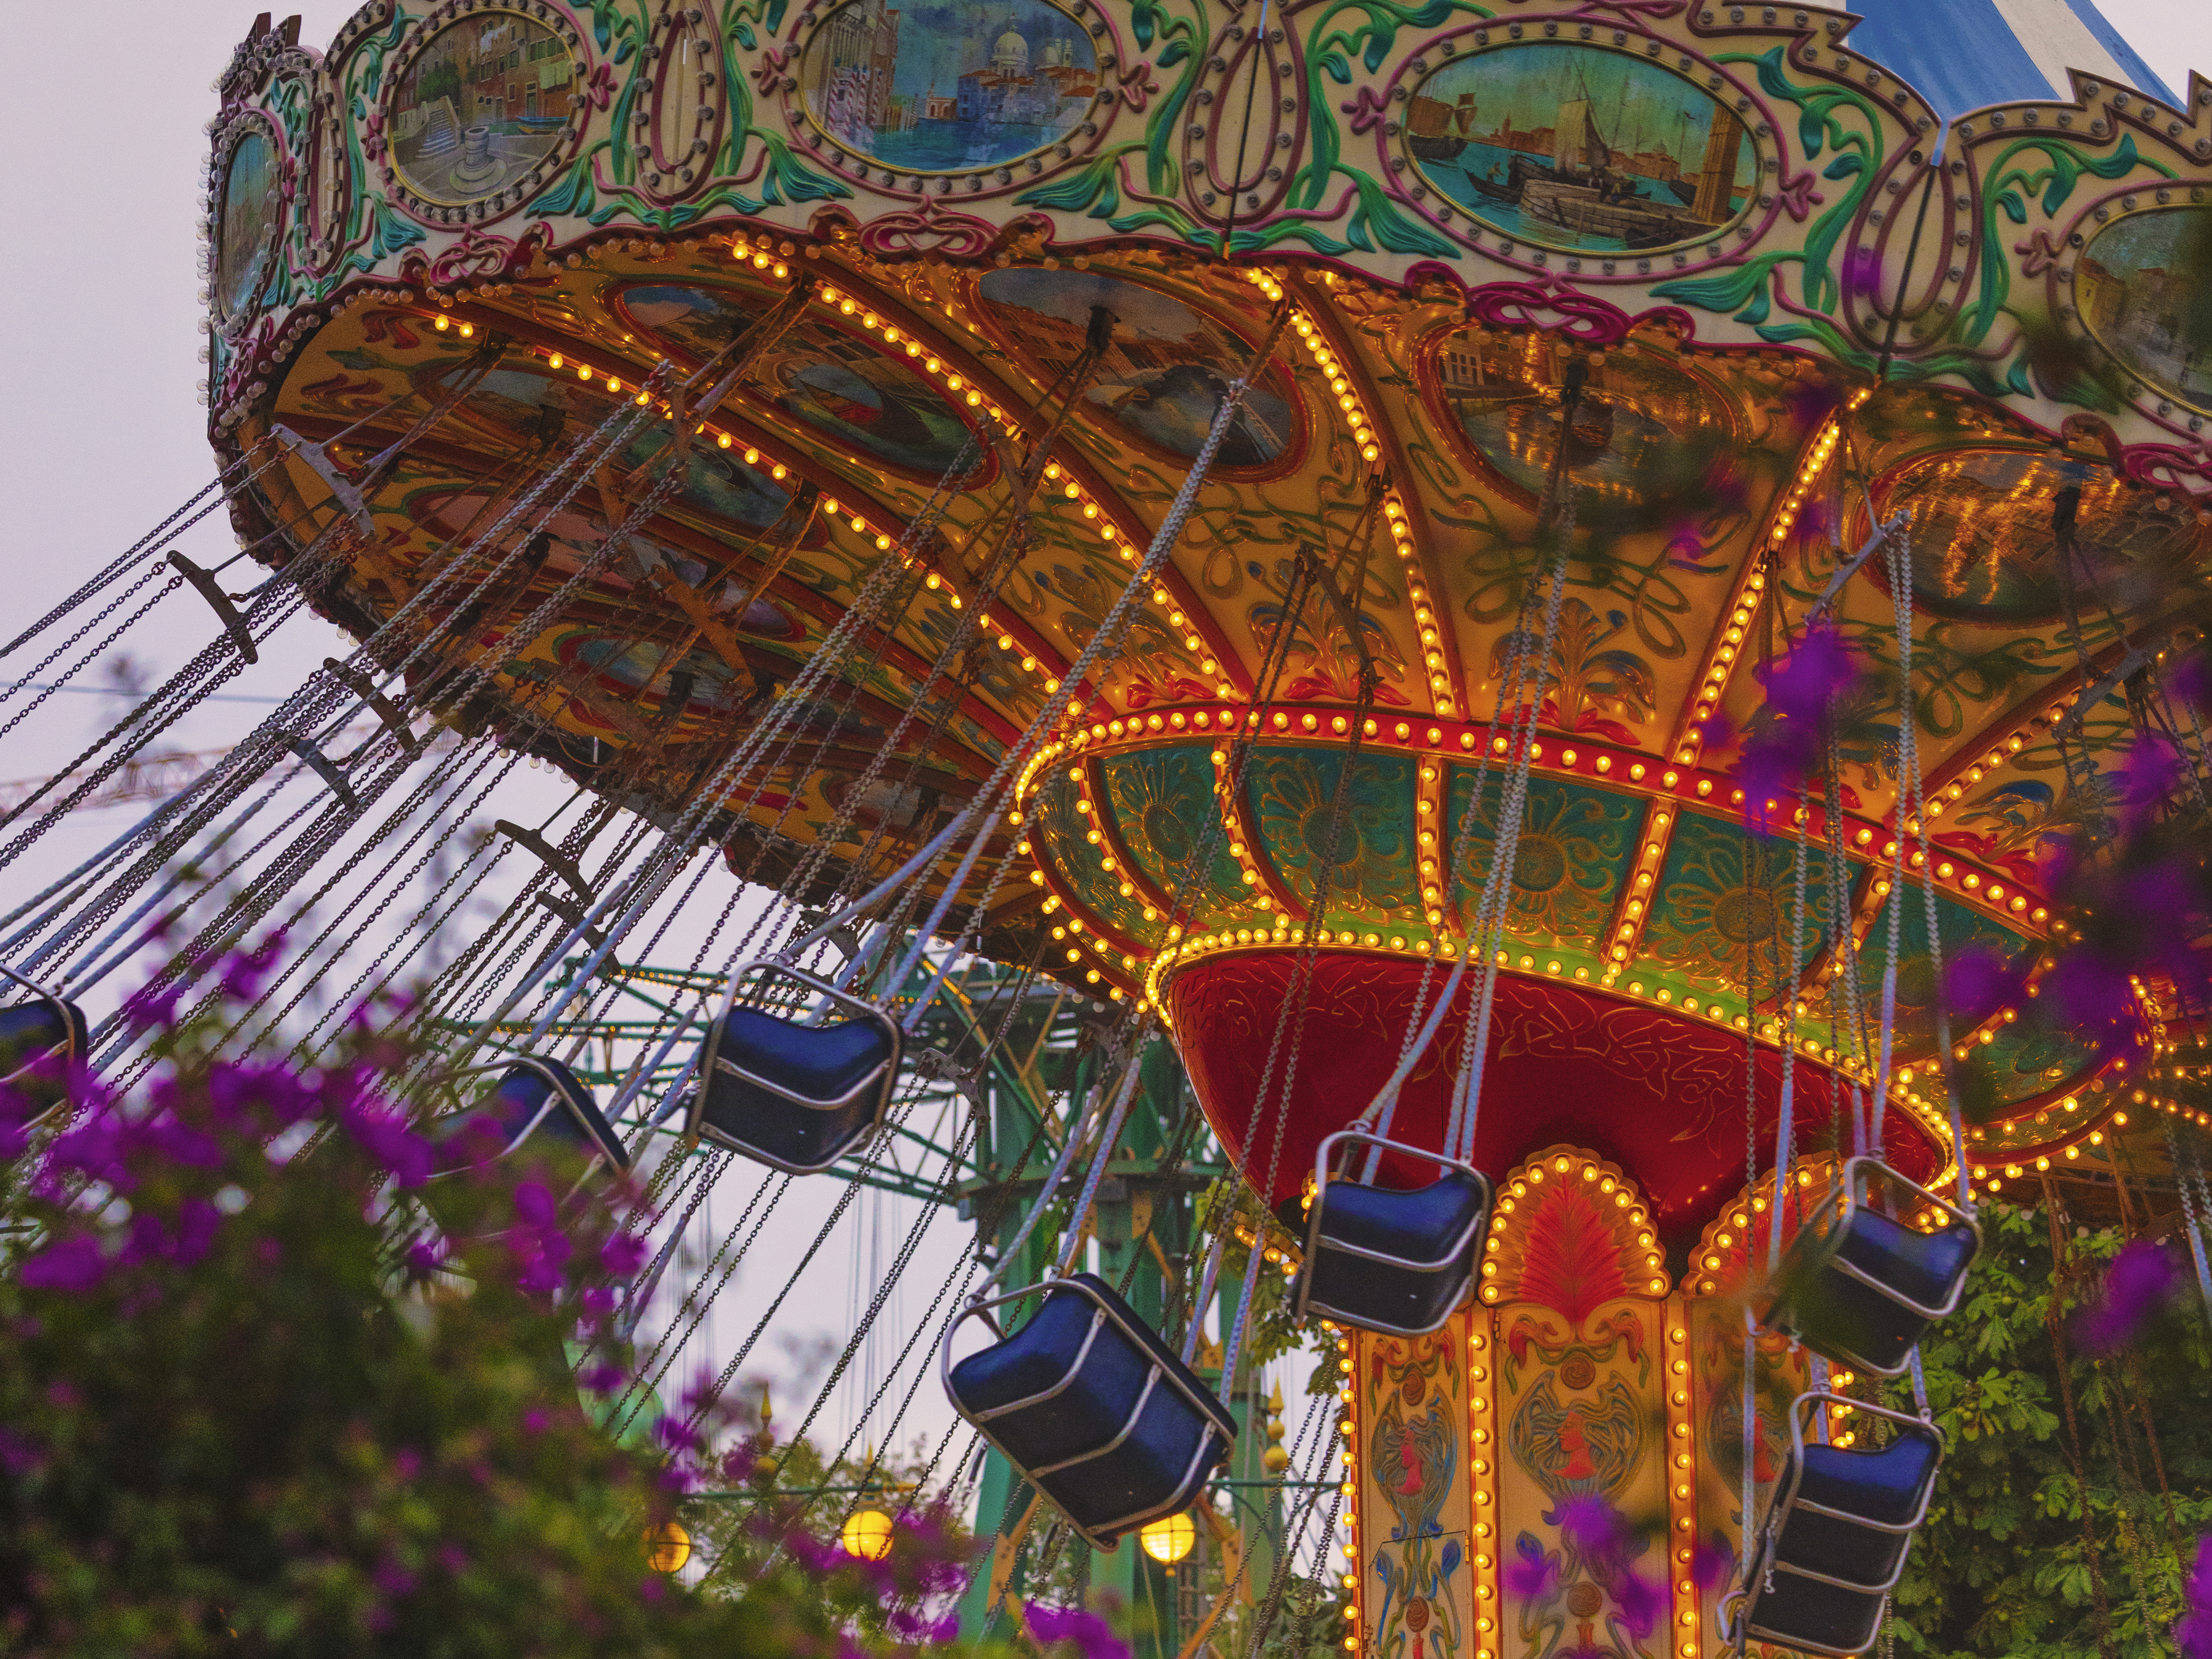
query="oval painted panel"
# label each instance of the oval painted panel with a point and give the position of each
(2139, 289)
(949, 87)
(252, 210)
(1165, 371)
(1982, 548)
(836, 382)
(1581, 149)
(1646, 438)
(480, 106)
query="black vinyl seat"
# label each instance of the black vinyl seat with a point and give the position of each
(792, 1096)
(1862, 1287)
(1092, 1407)
(48, 1029)
(1398, 1261)
(538, 1102)
(1836, 1535)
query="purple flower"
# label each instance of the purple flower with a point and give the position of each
(1710, 1566)
(2193, 1635)
(73, 1265)
(2136, 1286)
(146, 1008)
(1862, 270)
(1642, 1601)
(1590, 1524)
(392, 1578)
(424, 1259)
(622, 1254)
(387, 1139)
(244, 971)
(1534, 1573)
(1092, 1636)
(534, 1204)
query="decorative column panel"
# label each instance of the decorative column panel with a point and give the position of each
(1712, 1304)
(1416, 1585)
(1576, 1289)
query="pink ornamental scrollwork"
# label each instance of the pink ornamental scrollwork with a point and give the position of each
(1365, 111)
(2167, 466)
(1138, 86)
(768, 72)
(931, 230)
(479, 256)
(600, 88)
(1582, 318)
(1799, 196)
(2039, 253)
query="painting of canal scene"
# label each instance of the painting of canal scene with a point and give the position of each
(1644, 442)
(251, 208)
(1162, 376)
(1981, 533)
(480, 106)
(1582, 150)
(945, 88)
(2137, 288)
(836, 382)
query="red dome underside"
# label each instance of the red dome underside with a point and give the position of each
(1659, 1093)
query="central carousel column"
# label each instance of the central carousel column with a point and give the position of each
(1583, 1373)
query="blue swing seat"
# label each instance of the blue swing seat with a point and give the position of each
(535, 1101)
(1395, 1261)
(1090, 1407)
(48, 1028)
(1837, 1530)
(1862, 1287)
(796, 1097)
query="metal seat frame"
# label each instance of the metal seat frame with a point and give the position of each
(557, 1099)
(712, 1061)
(1787, 1502)
(66, 1048)
(1103, 1536)
(1316, 1242)
(1833, 1214)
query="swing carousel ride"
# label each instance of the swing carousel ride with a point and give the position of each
(1489, 626)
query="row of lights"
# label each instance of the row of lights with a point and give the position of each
(1348, 1455)
(1135, 730)
(1435, 662)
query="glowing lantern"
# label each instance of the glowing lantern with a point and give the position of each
(667, 1547)
(867, 1534)
(1168, 1541)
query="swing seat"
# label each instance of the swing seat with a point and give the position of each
(1862, 1287)
(535, 1101)
(1838, 1531)
(1395, 1261)
(795, 1096)
(39, 1040)
(1092, 1408)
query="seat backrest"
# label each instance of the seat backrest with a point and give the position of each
(1416, 1224)
(1923, 1266)
(38, 1027)
(516, 1112)
(1886, 1484)
(815, 1062)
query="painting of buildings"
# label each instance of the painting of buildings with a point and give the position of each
(480, 106)
(1162, 376)
(251, 207)
(940, 88)
(2140, 289)
(1581, 149)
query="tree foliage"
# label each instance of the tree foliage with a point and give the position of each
(258, 1397)
(2003, 1566)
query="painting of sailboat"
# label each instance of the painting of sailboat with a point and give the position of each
(1581, 149)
